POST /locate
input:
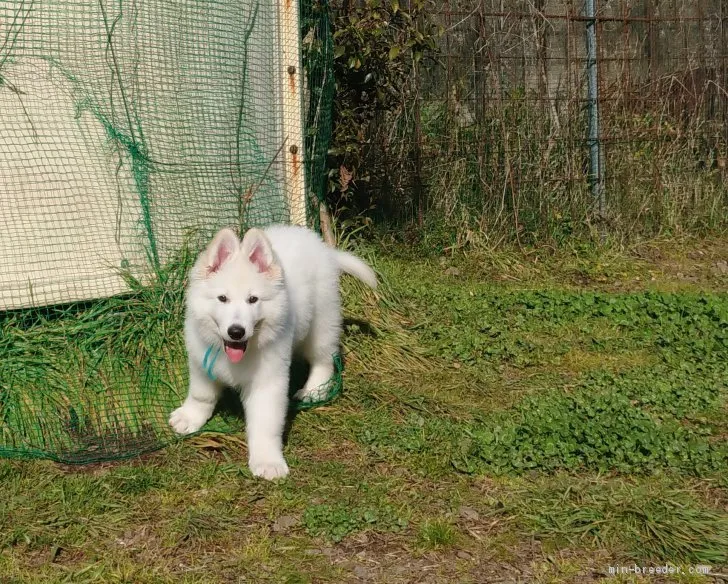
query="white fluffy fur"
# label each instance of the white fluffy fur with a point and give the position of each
(295, 278)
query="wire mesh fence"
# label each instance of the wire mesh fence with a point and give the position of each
(494, 131)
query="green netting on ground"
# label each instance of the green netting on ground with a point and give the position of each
(130, 131)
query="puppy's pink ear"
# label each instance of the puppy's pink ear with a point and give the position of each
(224, 245)
(258, 250)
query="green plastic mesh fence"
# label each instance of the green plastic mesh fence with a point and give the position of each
(130, 131)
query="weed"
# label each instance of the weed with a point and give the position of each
(436, 533)
(337, 521)
(663, 414)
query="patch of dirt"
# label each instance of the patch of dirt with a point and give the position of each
(389, 559)
(99, 468)
(663, 265)
(344, 451)
(36, 558)
(700, 264)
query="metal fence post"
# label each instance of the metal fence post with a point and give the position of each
(596, 158)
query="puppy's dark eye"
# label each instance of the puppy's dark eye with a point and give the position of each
(222, 298)
(252, 299)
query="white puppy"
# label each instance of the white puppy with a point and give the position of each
(249, 306)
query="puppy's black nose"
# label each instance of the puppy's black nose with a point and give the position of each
(236, 332)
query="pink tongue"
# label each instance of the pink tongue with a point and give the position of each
(235, 355)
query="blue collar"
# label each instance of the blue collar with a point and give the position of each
(207, 366)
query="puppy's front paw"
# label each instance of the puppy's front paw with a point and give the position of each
(311, 393)
(187, 419)
(269, 469)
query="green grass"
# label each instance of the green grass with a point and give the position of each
(489, 426)
(436, 534)
(648, 519)
(71, 361)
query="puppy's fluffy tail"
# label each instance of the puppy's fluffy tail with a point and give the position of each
(352, 265)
